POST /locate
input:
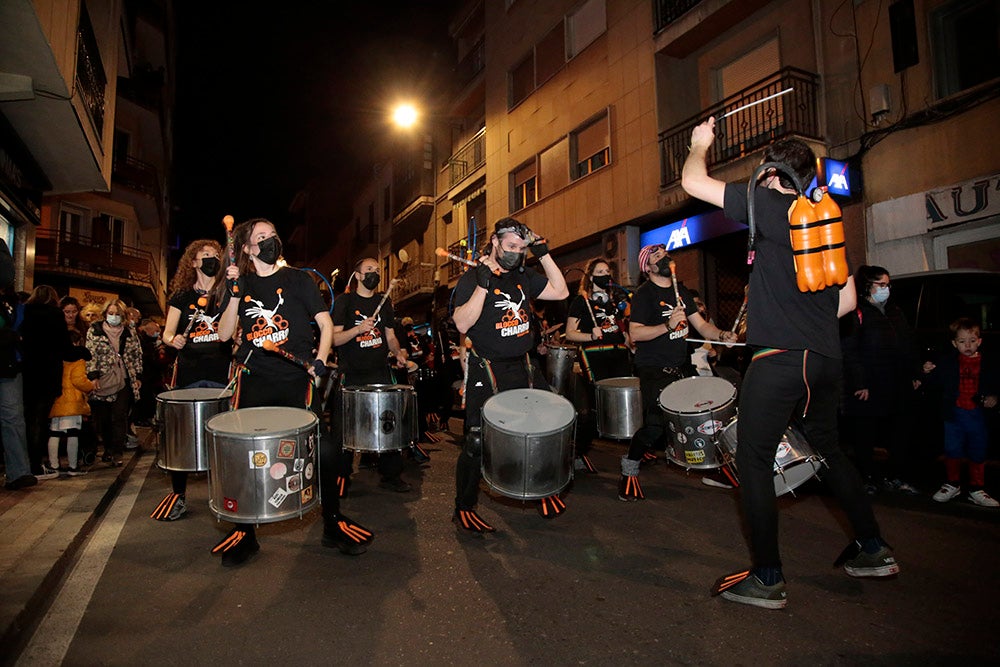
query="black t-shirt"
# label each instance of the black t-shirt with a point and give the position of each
(604, 313)
(652, 305)
(204, 357)
(778, 314)
(503, 330)
(368, 351)
(280, 308)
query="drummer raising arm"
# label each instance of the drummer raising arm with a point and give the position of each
(362, 336)
(493, 308)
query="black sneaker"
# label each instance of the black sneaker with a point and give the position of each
(746, 588)
(471, 522)
(22, 482)
(343, 486)
(551, 507)
(350, 538)
(879, 564)
(394, 484)
(629, 489)
(418, 454)
(170, 508)
(240, 552)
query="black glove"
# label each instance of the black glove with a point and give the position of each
(94, 375)
(319, 368)
(539, 248)
(483, 274)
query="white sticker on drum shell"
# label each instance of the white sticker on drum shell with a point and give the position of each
(783, 450)
(278, 497)
(299, 465)
(294, 483)
(710, 427)
(278, 470)
(259, 459)
(681, 438)
(309, 470)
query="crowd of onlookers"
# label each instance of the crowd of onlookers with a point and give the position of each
(74, 381)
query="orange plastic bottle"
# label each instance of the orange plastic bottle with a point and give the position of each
(807, 246)
(832, 238)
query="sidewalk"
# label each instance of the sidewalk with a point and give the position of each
(43, 528)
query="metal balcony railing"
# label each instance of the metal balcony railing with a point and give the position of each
(462, 249)
(666, 12)
(746, 131)
(415, 280)
(90, 78)
(467, 159)
(472, 64)
(137, 175)
(74, 254)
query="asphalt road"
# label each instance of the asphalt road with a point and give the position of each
(608, 583)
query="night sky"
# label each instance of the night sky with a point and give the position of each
(271, 95)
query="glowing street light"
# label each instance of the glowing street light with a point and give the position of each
(405, 116)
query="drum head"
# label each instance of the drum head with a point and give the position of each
(381, 387)
(199, 394)
(696, 395)
(265, 422)
(528, 411)
(623, 382)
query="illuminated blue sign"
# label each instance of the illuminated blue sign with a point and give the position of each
(838, 178)
(691, 230)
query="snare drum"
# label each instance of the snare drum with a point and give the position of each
(182, 414)
(697, 409)
(263, 464)
(619, 407)
(528, 443)
(795, 462)
(559, 367)
(379, 417)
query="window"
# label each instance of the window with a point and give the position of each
(525, 187)
(584, 25)
(522, 80)
(966, 44)
(553, 166)
(590, 146)
(70, 224)
(550, 55)
(109, 232)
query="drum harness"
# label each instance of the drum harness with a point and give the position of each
(488, 365)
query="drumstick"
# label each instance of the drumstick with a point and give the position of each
(228, 221)
(271, 347)
(591, 311)
(673, 279)
(385, 297)
(202, 302)
(240, 368)
(739, 314)
(713, 342)
(441, 252)
(761, 100)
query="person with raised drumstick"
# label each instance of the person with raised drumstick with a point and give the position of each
(363, 334)
(197, 298)
(661, 311)
(795, 372)
(592, 323)
(279, 304)
(493, 306)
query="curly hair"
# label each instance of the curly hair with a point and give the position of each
(588, 274)
(185, 277)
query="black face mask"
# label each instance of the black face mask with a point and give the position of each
(209, 266)
(370, 281)
(663, 266)
(510, 261)
(602, 281)
(269, 250)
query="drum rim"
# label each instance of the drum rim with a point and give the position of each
(630, 385)
(378, 388)
(262, 435)
(219, 397)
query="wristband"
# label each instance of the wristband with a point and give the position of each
(483, 274)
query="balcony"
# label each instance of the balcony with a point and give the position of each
(413, 282)
(91, 80)
(472, 64)
(467, 159)
(140, 187)
(462, 249)
(682, 26)
(751, 129)
(100, 262)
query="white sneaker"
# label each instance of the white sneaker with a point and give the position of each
(48, 473)
(983, 499)
(946, 493)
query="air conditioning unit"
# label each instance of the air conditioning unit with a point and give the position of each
(621, 249)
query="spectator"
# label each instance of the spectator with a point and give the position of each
(12, 430)
(72, 312)
(117, 363)
(71, 406)
(881, 371)
(153, 370)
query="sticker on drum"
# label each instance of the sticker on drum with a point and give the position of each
(294, 483)
(681, 438)
(307, 494)
(259, 459)
(694, 456)
(387, 421)
(278, 470)
(710, 427)
(699, 443)
(298, 465)
(278, 497)
(309, 470)
(783, 449)
(286, 449)
(689, 430)
(672, 426)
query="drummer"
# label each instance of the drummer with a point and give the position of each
(592, 323)
(279, 304)
(202, 359)
(362, 338)
(659, 327)
(493, 307)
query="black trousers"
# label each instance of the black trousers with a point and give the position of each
(654, 422)
(506, 374)
(804, 387)
(390, 464)
(111, 420)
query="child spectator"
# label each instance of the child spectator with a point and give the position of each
(68, 410)
(968, 385)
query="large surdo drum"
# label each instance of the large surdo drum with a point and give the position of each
(181, 415)
(379, 417)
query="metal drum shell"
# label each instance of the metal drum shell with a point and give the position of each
(559, 367)
(528, 464)
(181, 415)
(795, 461)
(379, 417)
(619, 407)
(697, 409)
(264, 464)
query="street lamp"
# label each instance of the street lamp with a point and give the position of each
(405, 115)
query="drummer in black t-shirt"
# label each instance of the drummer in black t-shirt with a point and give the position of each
(202, 359)
(364, 339)
(279, 304)
(493, 306)
(659, 327)
(593, 324)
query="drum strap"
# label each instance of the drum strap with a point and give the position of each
(493, 378)
(586, 351)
